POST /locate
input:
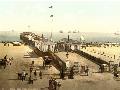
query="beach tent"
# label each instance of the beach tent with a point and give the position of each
(16, 43)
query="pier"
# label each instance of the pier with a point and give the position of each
(44, 47)
(73, 57)
(56, 61)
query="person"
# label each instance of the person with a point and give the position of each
(19, 76)
(119, 64)
(67, 54)
(58, 85)
(43, 64)
(86, 71)
(101, 68)
(11, 58)
(116, 74)
(23, 75)
(31, 69)
(4, 63)
(55, 84)
(5, 56)
(40, 75)
(71, 74)
(115, 68)
(51, 85)
(62, 73)
(10, 62)
(35, 74)
(7, 61)
(30, 80)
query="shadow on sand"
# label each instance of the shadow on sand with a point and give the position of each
(31, 55)
(13, 79)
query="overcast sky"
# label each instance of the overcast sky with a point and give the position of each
(82, 15)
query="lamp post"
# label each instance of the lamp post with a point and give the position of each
(28, 28)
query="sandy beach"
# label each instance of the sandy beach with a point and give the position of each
(24, 55)
(107, 54)
(22, 58)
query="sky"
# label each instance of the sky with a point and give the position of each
(68, 15)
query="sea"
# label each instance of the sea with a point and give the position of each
(56, 36)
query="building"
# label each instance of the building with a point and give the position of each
(41, 43)
(68, 45)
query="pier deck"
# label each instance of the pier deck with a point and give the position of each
(73, 57)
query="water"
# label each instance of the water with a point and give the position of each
(9, 36)
(89, 37)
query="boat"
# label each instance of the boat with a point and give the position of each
(61, 31)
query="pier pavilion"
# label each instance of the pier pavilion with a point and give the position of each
(71, 45)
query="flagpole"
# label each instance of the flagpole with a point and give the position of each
(51, 21)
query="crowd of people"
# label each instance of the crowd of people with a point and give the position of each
(53, 84)
(6, 61)
(31, 75)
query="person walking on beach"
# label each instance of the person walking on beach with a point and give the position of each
(35, 74)
(55, 84)
(67, 54)
(31, 69)
(23, 75)
(30, 80)
(62, 73)
(4, 62)
(10, 61)
(19, 75)
(119, 64)
(87, 70)
(43, 64)
(5, 57)
(101, 68)
(40, 75)
(71, 74)
(51, 85)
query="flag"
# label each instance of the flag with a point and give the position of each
(51, 37)
(82, 38)
(51, 15)
(69, 31)
(51, 7)
(61, 31)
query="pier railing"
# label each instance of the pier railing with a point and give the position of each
(56, 61)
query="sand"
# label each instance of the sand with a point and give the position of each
(23, 56)
(108, 55)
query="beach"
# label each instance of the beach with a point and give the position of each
(22, 59)
(110, 53)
